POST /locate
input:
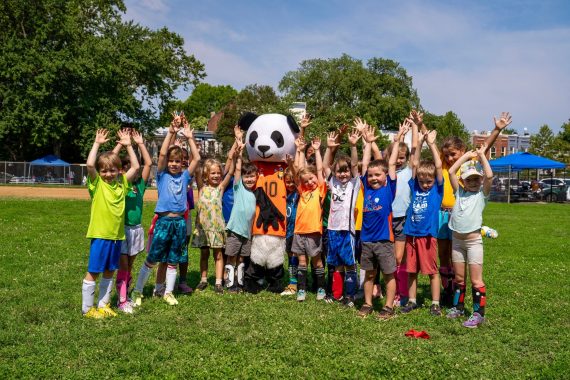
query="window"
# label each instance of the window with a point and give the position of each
(503, 151)
(493, 151)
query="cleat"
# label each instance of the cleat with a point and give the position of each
(301, 295)
(474, 321)
(290, 290)
(106, 311)
(93, 313)
(170, 299)
(321, 294)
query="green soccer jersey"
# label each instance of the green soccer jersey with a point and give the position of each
(107, 208)
(134, 203)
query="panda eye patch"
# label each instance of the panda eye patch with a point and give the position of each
(278, 138)
(252, 138)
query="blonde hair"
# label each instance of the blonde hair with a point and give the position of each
(310, 169)
(426, 168)
(108, 160)
(207, 168)
(382, 164)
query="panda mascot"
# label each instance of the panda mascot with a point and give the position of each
(269, 139)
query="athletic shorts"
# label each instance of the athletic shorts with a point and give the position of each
(378, 255)
(307, 244)
(443, 231)
(104, 255)
(421, 254)
(134, 242)
(398, 228)
(237, 245)
(169, 241)
(325, 243)
(341, 248)
(469, 251)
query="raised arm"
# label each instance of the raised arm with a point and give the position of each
(238, 133)
(417, 142)
(305, 122)
(369, 138)
(316, 144)
(456, 165)
(353, 140)
(170, 136)
(100, 138)
(430, 138)
(231, 169)
(504, 120)
(487, 171)
(147, 160)
(125, 140)
(189, 134)
(330, 152)
(238, 160)
(396, 147)
(418, 119)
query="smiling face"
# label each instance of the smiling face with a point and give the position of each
(425, 181)
(472, 183)
(376, 177)
(450, 155)
(249, 180)
(342, 172)
(309, 181)
(402, 158)
(270, 138)
(215, 175)
(109, 174)
(174, 164)
(289, 183)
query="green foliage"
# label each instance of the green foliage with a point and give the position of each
(447, 125)
(509, 131)
(44, 254)
(562, 143)
(70, 67)
(542, 143)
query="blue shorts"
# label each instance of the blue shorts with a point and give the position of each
(443, 231)
(169, 241)
(104, 255)
(341, 248)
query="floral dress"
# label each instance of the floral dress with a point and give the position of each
(210, 228)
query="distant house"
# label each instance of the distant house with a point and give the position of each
(505, 144)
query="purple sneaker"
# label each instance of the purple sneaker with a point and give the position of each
(455, 313)
(183, 288)
(474, 321)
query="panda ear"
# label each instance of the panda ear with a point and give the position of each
(293, 124)
(246, 120)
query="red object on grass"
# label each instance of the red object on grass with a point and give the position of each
(417, 334)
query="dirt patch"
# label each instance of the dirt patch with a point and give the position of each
(57, 192)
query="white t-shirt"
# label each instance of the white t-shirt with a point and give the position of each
(467, 213)
(343, 200)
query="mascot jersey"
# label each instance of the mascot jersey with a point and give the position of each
(271, 181)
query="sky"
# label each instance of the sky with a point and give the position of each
(475, 58)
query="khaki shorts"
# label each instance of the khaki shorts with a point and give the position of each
(378, 255)
(469, 251)
(307, 244)
(398, 228)
(237, 245)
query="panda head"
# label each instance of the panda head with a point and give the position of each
(269, 137)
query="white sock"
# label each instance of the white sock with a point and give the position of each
(240, 273)
(412, 300)
(230, 274)
(361, 279)
(435, 303)
(105, 286)
(170, 279)
(87, 295)
(144, 274)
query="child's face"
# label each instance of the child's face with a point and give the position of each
(289, 184)
(472, 183)
(109, 174)
(426, 181)
(376, 177)
(450, 155)
(342, 175)
(309, 181)
(249, 181)
(215, 176)
(174, 164)
(401, 160)
(184, 160)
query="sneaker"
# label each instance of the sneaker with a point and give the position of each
(137, 297)
(321, 294)
(183, 288)
(290, 290)
(347, 302)
(410, 306)
(474, 320)
(234, 289)
(202, 286)
(397, 300)
(219, 289)
(170, 299)
(365, 311)
(93, 313)
(329, 299)
(386, 313)
(158, 293)
(455, 313)
(106, 311)
(125, 307)
(301, 295)
(435, 310)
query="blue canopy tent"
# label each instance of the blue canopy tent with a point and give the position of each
(49, 160)
(520, 161)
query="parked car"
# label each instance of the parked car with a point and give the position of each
(554, 182)
(514, 183)
(554, 194)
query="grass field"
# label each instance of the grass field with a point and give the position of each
(43, 258)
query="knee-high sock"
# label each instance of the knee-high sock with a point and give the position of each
(361, 279)
(293, 265)
(330, 272)
(320, 275)
(459, 296)
(144, 274)
(337, 284)
(402, 281)
(350, 283)
(170, 278)
(105, 286)
(479, 300)
(230, 274)
(240, 273)
(122, 280)
(87, 295)
(302, 277)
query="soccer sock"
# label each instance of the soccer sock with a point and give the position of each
(240, 273)
(350, 283)
(402, 280)
(435, 302)
(361, 279)
(302, 277)
(459, 297)
(170, 279)
(337, 284)
(122, 278)
(87, 295)
(230, 274)
(320, 276)
(129, 280)
(204, 279)
(144, 274)
(330, 279)
(412, 300)
(479, 300)
(105, 287)
(293, 265)
(159, 289)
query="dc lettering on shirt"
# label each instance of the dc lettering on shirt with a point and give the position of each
(420, 206)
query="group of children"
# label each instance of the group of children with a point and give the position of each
(393, 213)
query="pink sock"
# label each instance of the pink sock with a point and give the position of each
(122, 278)
(402, 280)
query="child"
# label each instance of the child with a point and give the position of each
(134, 232)
(465, 222)
(344, 187)
(108, 189)
(421, 225)
(210, 226)
(292, 201)
(379, 184)
(169, 236)
(238, 242)
(308, 223)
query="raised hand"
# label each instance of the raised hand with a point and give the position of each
(179, 142)
(305, 121)
(240, 146)
(504, 120)
(430, 137)
(417, 117)
(238, 133)
(332, 140)
(354, 137)
(188, 132)
(316, 143)
(101, 136)
(176, 121)
(300, 144)
(422, 135)
(359, 124)
(137, 137)
(369, 134)
(481, 150)
(124, 136)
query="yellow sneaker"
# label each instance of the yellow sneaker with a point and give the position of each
(136, 298)
(93, 313)
(170, 299)
(106, 311)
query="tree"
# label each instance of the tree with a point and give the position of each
(562, 143)
(509, 131)
(70, 67)
(447, 125)
(542, 143)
